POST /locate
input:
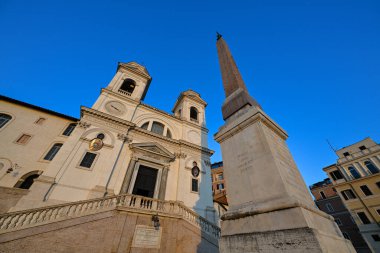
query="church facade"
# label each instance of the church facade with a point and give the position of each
(118, 146)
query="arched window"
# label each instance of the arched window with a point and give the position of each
(145, 125)
(69, 129)
(27, 180)
(354, 172)
(371, 167)
(128, 86)
(53, 151)
(193, 113)
(157, 128)
(4, 119)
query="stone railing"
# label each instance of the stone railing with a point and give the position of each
(39, 216)
(124, 92)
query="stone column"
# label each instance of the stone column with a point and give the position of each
(373, 160)
(361, 168)
(128, 176)
(164, 178)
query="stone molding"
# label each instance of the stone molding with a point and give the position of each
(271, 206)
(253, 115)
(181, 155)
(153, 150)
(181, 143)
(124, 137)
(83, 124)
(155, 110)
(104, 118)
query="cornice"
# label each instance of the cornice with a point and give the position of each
(245, 120)
(359, 158)
(187, 144)
(175, 118)
(190, 97)
(180, 143)
(104, 117)
(153, 109)
(118, 95)
(357, 180)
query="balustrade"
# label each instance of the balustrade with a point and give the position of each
(43, 215)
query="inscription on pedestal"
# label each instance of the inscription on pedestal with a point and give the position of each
(146, 237)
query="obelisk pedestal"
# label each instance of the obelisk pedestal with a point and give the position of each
(270, 209)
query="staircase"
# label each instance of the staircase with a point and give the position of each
(19, 220)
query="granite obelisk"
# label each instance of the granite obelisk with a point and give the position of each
(270, 208)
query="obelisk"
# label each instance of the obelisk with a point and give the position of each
(270, 208)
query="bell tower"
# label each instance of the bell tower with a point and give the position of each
(191, 107)
(131, 80)
(125, 91)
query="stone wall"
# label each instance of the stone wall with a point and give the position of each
(110, 231)
(9, 197)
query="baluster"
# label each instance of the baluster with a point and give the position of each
(91, 205)
(127, 200)
(115, 201)
(95, 205)
(34, 217)
(53, 214)
(28, 219)
(41, 216)
(49, 214)
(14, 220)
(2, 219)
(85, 207)
(132, 202)
(69, 211)
(59, 213)
(99, 204)
(79, 209)
(121, 200)
(110, 202)
(6, 221)
(21, 220)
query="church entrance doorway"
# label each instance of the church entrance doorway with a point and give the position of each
(145, 182)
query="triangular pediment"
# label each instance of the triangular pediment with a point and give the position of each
(152, 148)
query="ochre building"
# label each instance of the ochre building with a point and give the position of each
(327, 199)
(356, 178)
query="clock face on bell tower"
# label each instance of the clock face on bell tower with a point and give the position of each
(115, 108)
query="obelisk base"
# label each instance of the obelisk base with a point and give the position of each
(293, 230)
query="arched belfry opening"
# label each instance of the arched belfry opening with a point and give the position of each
(193, 113)
(128, 86)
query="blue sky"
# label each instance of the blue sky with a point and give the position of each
(312, 65)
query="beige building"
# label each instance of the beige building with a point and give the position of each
(30, 138)
(119, 145)
(356, 178)
(125, 177)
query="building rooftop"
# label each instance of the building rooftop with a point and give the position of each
(217, 165)
(325, 182)
(35, 107)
